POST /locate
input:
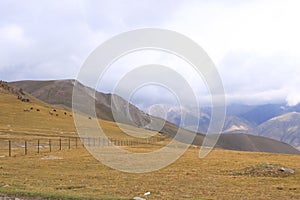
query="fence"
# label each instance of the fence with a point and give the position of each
(14, 147)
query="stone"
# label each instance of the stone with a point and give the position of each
(147, 193)
(138, 198)
(287, 170)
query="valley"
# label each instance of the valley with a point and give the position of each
(75, 174)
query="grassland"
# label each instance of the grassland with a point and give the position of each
(77, 175)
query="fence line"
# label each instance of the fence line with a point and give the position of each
(17, 146)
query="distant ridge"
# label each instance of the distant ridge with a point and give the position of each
(284, 128)
(275, 121)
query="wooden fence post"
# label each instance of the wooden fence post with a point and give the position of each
(38, 146)
(25, 147)
(60, 144)
(69, 143)
(50, 145)
(9, 148)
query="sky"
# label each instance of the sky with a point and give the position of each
(253, 44)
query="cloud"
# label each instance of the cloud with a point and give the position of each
(254, 44)
(51, 40)
(158, 92)
(264, 27)
(293, 91)
(250, 74)
(293, 98)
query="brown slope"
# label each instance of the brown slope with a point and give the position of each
(59, 92)
(245, 142)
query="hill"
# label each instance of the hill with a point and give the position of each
(77, 175)
(60, 93)
(246, 142)
(285, 128)
(34, 118)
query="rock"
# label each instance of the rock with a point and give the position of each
(51, 158)
(266, 170)
(287, 170)
(138, 198)
(147, 193)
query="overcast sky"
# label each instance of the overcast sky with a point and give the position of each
(254, 44)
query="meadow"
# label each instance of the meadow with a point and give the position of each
(75, 174)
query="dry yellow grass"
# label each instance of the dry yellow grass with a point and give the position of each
(40, 121)
(79, 175)
(14, 122)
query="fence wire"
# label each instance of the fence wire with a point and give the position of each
(17, 147)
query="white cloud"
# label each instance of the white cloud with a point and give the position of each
(12, 39)
(293, 90)
(254, 44)
(13, 34)
(293, 98)
(264, 27)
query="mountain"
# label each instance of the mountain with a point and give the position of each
(59, 92)
(284, 128)
(250, 119)
(262, 113)
(236, 109)
(234, 124)
(174, 115)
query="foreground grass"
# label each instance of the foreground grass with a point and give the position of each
(78, 175)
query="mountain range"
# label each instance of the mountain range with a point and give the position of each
(276, 121)
(241, 126)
